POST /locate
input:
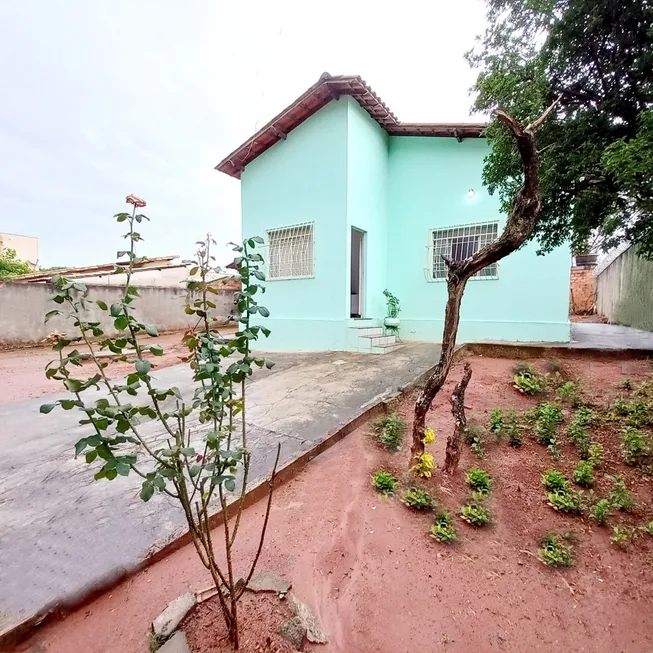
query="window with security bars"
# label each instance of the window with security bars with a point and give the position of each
(459, 243)
(290, 252)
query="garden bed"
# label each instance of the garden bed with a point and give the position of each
(368, 567)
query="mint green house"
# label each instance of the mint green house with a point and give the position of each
(350, 201)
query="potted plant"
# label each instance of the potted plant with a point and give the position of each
(391, 321)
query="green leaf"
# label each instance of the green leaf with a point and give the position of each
(230, 484)
(156, 350)
(101, 304)
(123, 469)
(263, 311)
(269, 364)
(47, 408)
(121, 322)
(115, 310)
(91, 456)
(151, 330)
(147, 491)
(74, 385)
(142, 366)
(51, 314)
(80, 445)
(188, 451)
(110, 474)
(194, 470)
(257, 239)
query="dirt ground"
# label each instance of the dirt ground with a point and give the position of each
(23, 370)
(379, 583)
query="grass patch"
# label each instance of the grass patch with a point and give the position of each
(384, 482)
(443, 529)
(478, 480)
(418, 499)
(554, 551)
(389, 430)
(475, 513)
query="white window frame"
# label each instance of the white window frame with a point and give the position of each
(489, 273)
(287, 231)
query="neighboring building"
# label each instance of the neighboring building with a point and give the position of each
(156, 272)
(26, 247)
(351, 201)
(624, 289)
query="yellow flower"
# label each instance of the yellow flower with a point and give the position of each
(429, 436)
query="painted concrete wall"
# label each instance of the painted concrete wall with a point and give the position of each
(429, 180)
(367, 190)
(23, 307)
(624, 291)
(339, 170)
(304, 179)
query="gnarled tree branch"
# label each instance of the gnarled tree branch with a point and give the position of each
(524, 213)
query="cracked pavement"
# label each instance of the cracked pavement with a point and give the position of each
(64, 535)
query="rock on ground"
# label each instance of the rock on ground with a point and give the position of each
(166, 623)
(269, 581)
(314, 631)
(293, 631)
(176, 644)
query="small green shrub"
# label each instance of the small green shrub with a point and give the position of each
(600, 511)
(623, 535)
(496, 422)
(554, 552)
(566, 501)
(475, 437)
(595, 454)
(627, 384)
(549, 415)
(443, 529)
(568, 392)
(384, 482)
(390, 430)
(512, 429)
(417, 499)
(475, 513)
(528, 381)
(424, 464)
(584, 474)
(620, 497)
(577, 430)
(637, 412)
(649, 528)
(634, 446)
(478, 480)
(555, 481)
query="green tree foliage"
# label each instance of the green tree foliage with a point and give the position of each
(597, 153)
(10, 266)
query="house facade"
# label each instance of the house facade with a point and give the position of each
(350, 201)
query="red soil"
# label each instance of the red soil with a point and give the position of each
(368, 568)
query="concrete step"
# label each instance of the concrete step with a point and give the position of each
(386, 349)
(380, 340)
(368, 331)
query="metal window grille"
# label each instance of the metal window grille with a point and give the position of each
(290, 252)
(459, 243)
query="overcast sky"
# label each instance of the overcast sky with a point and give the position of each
(105, 98)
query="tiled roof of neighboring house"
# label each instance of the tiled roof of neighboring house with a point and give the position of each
(154, 263)
(329, 88)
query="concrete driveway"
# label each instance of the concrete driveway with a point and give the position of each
(62, 534)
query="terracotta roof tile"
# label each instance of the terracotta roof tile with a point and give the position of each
(329, 88)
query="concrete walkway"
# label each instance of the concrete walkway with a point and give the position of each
(609, 336)
(62, 534)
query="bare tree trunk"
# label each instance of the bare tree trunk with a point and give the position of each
(524, 213)
(454, 441)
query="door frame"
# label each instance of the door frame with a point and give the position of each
(361, 271)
